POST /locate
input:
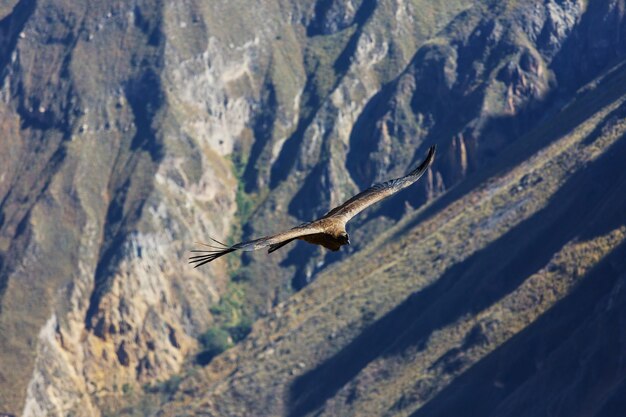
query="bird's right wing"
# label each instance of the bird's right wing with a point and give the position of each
(380, 191)
(218, 249)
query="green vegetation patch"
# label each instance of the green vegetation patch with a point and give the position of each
(232, 324)
(245, 202)
(214, 341)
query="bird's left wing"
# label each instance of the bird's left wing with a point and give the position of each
(380, 191)
(218, 249)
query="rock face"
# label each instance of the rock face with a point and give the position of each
(132, 129)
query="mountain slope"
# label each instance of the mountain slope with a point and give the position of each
(457, 295)
(131, 130)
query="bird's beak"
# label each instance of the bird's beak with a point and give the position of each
(348, 241)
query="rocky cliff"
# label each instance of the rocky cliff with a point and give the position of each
(132, 129)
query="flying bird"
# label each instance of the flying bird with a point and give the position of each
(328, 231)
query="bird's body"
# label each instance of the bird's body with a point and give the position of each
(328, 231)
(333, 237)
(324, 239)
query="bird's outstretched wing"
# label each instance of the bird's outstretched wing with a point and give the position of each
(217, 248)
(380, 191)
(340, 214)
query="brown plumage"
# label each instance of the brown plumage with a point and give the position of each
(328, 231)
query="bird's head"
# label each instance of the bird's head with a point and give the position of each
(344, 238)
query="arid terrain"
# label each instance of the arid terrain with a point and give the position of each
(496, 286)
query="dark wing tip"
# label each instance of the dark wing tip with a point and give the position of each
(417, 172)
(209, 255)
(431, 155)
